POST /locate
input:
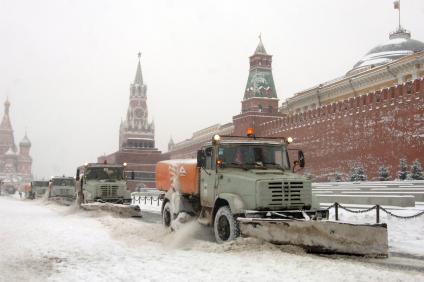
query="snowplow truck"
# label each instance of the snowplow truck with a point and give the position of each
(247, 186)
(101, 186)
(37, 189)
(62, 189)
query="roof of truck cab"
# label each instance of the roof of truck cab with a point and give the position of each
(102, 165)
(248, 142)
(62, 177)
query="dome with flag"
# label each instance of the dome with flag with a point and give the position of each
(400, 44)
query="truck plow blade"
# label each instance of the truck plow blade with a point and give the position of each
(320, 236)
(121, 210)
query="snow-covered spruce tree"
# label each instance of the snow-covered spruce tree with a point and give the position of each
(403, 166)
(417, 170)
(383, 173)
(357, 174)
(338, 176)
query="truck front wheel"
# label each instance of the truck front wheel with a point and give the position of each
(225, 226)
(167, 216)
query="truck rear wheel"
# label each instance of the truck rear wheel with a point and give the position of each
(167, 216)
(225, 226)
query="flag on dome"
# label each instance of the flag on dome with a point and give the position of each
(396, 5)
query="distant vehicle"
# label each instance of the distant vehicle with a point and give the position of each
(102, 183)
(7, 189)
(37, 189)
(10, 189)
(62, 187)
(101, 186)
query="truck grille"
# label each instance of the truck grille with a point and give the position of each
(109, 191)
(65, 191)
(284, 193)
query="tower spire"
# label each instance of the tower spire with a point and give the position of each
(138, 75)
(260, 49)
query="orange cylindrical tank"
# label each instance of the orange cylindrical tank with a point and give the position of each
(180, 175)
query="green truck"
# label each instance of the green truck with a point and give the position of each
(62, 187)
(102, 186)
(98, 182)
(246, 185)
(37, 189)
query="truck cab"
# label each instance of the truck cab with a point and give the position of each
(37, 189)
(61, 186)
(101, 183)
(251, 174)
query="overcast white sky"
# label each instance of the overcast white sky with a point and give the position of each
(66, 66)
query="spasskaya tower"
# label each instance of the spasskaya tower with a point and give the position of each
(136, 131)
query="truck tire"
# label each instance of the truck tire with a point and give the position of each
(225, 226)
(167, 216)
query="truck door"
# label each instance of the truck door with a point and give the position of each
(207, 179)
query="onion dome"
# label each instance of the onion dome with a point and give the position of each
(399, 45)
(25, 142)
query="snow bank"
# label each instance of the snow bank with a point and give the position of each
(46, 242)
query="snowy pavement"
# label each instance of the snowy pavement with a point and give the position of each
(42, 241)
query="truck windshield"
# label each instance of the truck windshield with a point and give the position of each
(254, 156)
(40, 184)
(104, 173)
(63, 182)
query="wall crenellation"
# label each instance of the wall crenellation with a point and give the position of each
(401, 93)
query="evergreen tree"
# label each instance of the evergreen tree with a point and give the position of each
(383, 173)
(403, 173)
(417, 171)
(357, 174)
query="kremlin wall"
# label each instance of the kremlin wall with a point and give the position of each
(370, 130)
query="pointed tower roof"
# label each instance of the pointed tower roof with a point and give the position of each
(260, 82)
(138, 75)
(5, 123)
(260, 49)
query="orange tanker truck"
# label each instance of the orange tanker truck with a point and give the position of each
(247, 185)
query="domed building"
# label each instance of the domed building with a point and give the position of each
(399, 45)
(396, 61)
(15, 166)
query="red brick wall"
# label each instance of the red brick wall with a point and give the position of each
(370, 130)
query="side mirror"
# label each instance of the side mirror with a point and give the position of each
(77, 177)
(201, 158)
(301, 158)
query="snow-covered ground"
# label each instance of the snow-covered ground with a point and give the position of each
(42, 241)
